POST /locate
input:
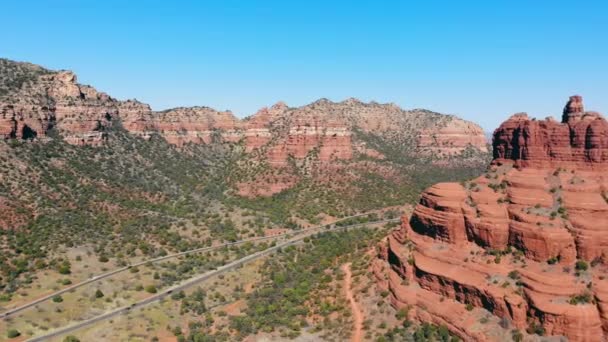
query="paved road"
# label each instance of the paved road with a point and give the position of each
(169, 256)
(192, 281)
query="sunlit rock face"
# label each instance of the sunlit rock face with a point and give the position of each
(580, 141)
(514, 243)
(34, 99)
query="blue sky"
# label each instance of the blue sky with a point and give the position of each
(481, 60)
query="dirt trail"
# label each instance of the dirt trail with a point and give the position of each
(357, 314)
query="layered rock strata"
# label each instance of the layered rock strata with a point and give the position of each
(525, 244)
(81, 114)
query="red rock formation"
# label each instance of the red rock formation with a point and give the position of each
(22, 121)
(195, 125)
(277, 139)
(580, 141)
(326, 129)
(452, 139)
(506, 243)
(257, 127)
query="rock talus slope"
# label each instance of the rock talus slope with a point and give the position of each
(521, 248)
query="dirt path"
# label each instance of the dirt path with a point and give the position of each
(357, 314)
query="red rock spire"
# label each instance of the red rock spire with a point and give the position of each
(574, 109)
(578, 142)
(543, 225)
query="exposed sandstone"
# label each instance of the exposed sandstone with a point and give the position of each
(507, 242)
(195, 125)
(80, 113)
(452, 139)
(580, 141)
(283, 143)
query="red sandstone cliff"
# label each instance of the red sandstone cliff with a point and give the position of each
(505, 245)
(318, 136)
(80, 113)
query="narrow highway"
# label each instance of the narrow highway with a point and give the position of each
(169, 256)
(195, 280)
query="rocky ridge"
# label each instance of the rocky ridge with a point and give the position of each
(284, 145)
(34, 99)
(521, 248)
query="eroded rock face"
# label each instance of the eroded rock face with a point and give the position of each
(452, 138)
(283, 143)
(329, 130)
(580, 141)
(196, 125)
(514, 243)
(81, 114)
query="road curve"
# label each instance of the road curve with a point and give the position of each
(192, 281)
(169, 256)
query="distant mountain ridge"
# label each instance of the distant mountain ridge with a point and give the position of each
(344, 148)
(33, 99)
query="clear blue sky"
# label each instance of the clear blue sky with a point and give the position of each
(481, 60)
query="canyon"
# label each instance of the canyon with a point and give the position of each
(519, 250)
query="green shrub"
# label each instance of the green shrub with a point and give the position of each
(517, 335)
(583, 298)
(12, 333)
(582, 265)
(401, 314)
(151, 289)
(64, 269)
(514, 275)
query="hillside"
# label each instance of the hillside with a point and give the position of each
(80, 168)
(320, 151)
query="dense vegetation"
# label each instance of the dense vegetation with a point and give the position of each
(125, 198)
(14, 76)
(297, 284)
(357, 186)
(132, 197)
(129, 196)
(296, 278)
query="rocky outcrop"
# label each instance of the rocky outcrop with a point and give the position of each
(337, 130)
(452, 139)
(196, 125)
(78, 112)
(579, 142)
(525, 243)
(22, 121)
